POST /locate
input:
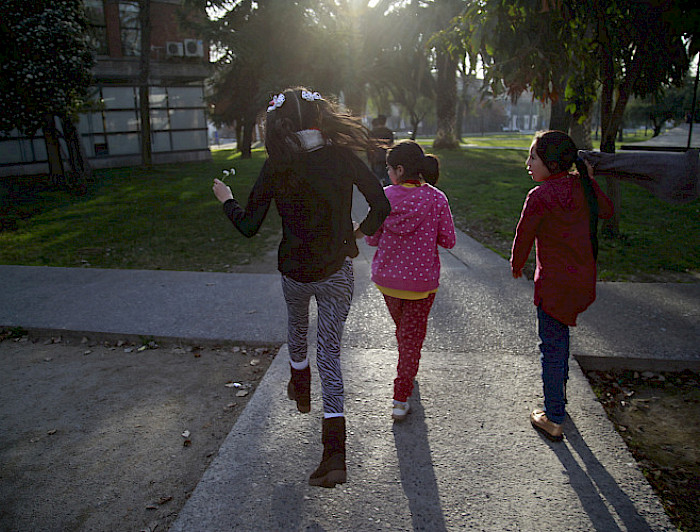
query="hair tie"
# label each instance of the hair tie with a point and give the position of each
(275, 103)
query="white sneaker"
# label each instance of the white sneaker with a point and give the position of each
(400, 410)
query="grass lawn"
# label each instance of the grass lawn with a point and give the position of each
(168, 218)
(163, 218)
(487, 188)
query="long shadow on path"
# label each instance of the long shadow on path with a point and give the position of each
(600, 495)
(417, 470)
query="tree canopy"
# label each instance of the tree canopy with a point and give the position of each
(45, 62)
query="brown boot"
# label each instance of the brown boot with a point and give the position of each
(332, 469)
(299, 388)
(542, 424)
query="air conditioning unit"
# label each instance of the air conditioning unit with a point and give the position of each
(194, 48)
(174, 49)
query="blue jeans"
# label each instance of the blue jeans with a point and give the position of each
(554, 346)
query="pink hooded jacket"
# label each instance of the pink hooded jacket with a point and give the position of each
(407, 255)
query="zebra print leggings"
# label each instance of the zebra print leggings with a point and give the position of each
(333, 297)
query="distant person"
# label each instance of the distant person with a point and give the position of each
(561, 217)
(406, 265)
(377, 156)
(309, 173)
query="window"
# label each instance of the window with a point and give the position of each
(130, 27)
(95, 11)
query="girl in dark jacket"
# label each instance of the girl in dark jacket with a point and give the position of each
(310, 172)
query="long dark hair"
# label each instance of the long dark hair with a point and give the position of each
(303, 109)
(558, 152)
(416, 163)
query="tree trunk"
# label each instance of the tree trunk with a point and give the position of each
(239, 134)
(81, 170)
(559, 119)
(144, 75)
(53, 151)
(446, 102)
(246, 142)
(611, 226)
(414, 126)
(581, 132)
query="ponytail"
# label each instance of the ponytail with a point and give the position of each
(592, 200)
(558, 151)
(416, 163)
(430, 169)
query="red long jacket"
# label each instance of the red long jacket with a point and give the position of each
(555, 217)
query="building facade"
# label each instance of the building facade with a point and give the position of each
(110, 130)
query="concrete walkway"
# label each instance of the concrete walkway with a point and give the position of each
(676, 137)
(466, 457)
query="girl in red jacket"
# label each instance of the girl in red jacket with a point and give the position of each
(561, 217)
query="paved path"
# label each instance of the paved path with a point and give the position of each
(676, 137)
(466, 458)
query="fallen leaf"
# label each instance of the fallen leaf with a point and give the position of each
(52, 431)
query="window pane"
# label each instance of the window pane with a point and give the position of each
(129, 15)
(10, 152)
(90, 123)
(187, 119)
(158, 97)
(189, 140)
(186, 97)
(159, 119)
(98, 145)
(119, 97)
(124, 144)
(95, 12)
(131, 42)
(40, 150)
(161, 142)
(130, 28)
(118, 121)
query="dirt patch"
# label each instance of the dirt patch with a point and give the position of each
(658, 416)
(113, 437)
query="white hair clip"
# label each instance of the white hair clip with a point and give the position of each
(276, 102)
(310, 96)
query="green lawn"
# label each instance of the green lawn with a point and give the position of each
(163, 218)
(487, 188)
(168, 218)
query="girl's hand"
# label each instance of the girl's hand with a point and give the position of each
(222, 191)
(516, 273)
(356, 230)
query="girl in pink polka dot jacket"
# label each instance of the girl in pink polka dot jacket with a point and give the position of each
(406, 265)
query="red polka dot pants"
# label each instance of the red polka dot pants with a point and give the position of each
(411, 319)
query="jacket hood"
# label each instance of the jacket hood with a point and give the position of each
(410, 206)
